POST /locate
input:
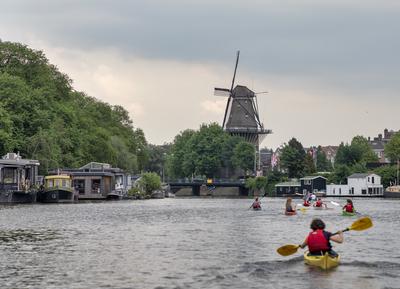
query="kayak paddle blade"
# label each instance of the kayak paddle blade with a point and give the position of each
(334, 203)
(287, 250)
(361, 224)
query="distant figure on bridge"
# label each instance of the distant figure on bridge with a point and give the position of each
(256, 204)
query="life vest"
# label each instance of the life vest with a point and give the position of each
(318, 203)
(316, 241)
(256, 205)
(306, 204)
(349, 208)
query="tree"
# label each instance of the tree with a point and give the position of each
(323, 164)
(149, 182)
(360, 145)
(292, 158)
(392, 148)
(257, 185)
(388, 175)
(309, 166)
(243, 156)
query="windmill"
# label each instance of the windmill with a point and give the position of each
(241, 116)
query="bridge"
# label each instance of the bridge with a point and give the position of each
(197, 184)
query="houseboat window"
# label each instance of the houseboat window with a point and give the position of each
(50, 183)
(9, 176)
(340, 191)
(64, 183)
(373, 180)
(57, 183)
(368, 179)
(79, 185)
(96, 186)
(333, 190)
(352, 191)
(364, 191)
(370, 191)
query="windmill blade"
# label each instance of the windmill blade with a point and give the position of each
(234, 74)
(221, 91)
(226, 111)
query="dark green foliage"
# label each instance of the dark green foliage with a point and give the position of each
(392, 149)
(157, 158)
(44, 118)
(323, 164)
(388, 174)
(206, 152)
(358, 151)
(292, 159)
(149, 182)
(309, 166)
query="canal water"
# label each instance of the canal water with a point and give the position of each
(189, 243)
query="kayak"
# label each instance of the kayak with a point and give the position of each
(290, 213)
(324, 262)
(344, 213)
(257, 208)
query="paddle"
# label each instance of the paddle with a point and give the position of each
(358, 225)
(334, 203)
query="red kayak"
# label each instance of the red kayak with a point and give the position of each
(290, 213)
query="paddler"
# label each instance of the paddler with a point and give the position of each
(256, 204)
(349, 207)
(319, 204)
(318, 240)
(290, 207)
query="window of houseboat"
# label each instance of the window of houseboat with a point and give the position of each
(96, 186)
(64, 183)
(50, 183)
(9, 176)
(57, 183)
(80, 186)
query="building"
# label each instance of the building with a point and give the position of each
(313, 184)
(362, 185)
(99, 181)
(330, 152)
(287, 189)
(378, 143)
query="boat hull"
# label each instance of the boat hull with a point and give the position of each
(347, 214)
(17, 197)
(56, 196)
(325, 262)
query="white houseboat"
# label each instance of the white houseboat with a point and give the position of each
(358, 185)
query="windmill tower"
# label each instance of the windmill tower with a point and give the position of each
(241, 114)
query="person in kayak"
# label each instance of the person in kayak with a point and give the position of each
(306, 203)
(349, 207)
(319, 204)
(256, 204)
(318, 240)
(290, 207)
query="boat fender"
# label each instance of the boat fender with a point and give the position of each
(53, 195)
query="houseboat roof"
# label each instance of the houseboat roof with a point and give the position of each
(16, 160)
(359, 176)
(57, 177)
(311, 177)
(288, 184)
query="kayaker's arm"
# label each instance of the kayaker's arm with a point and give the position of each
(304, 244)
(338, 238)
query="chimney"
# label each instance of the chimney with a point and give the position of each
(380, 136)
(386, 133)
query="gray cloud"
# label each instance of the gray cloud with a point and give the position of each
(346, 50)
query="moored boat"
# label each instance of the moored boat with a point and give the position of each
(324, 262)
(392, 192)
(57, 189)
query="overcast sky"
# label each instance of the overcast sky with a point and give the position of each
(331, 67)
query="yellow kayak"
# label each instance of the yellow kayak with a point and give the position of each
(325, 262)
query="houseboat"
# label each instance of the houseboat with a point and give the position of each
(18, 177)
(358, 185)
(392, 192)
(57, 189)
(98, 181)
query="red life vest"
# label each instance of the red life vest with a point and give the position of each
(318, 203)
(316, 241)
(306, 204)
(349, 208)
(256, 205)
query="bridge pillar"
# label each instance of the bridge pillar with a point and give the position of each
(196, 190)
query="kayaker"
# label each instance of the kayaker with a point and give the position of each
(306, 203)
(319, 204)
(349, 207)
(290, 207)
(318, 240)
(256, 204)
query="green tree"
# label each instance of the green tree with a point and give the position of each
(360, 145)
(243, 156)
(392, 148)
(323, 164)
(309, 166)
(149, 182)
(292, 158)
